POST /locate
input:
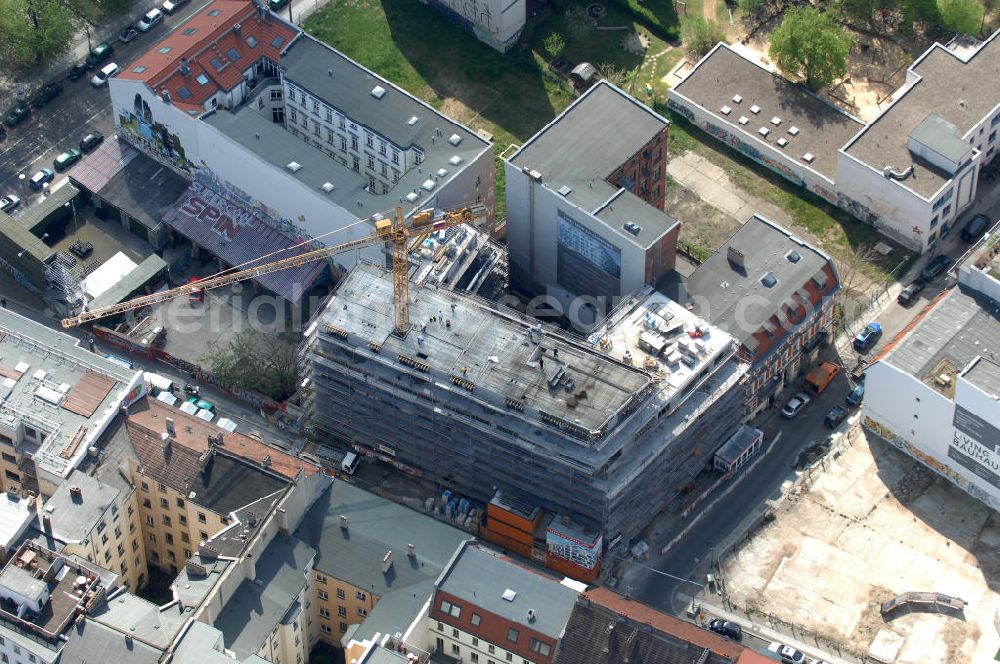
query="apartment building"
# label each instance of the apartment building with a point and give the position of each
(98, 522)
(601, 431)
(286, 140)
(191, 478)
(495, 22)
(910, 172)
(774, 293)
(488, 609)
(585, 199)
(56, 402)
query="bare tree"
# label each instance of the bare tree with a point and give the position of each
(253, 360)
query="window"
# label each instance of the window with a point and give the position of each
(162, 487)
(361, 596)
(9, 458)
(454, 633)
(293, 115)
(203, 535)
(475, 641)
(180, 503)
(315, 106)
(369, 140)
(491, 648)
(475, 619)
(166, 520)
(343, 143)
(324, 612)
(152, 538)
(185, 537)
(354, 143)
(371, 183)
(455, 649)
(149, 520)
(315, 128)
(275, 94)
(130, 510)
(325, 628)
(395, 176)
(145, 487)
(543, 649)
(342, 611)
(183, 519)
(395, 156)
(164, 503)
(512, 635)
(385, 171)
(934, 221)
(343, 627)
(320, 578)
(510, 657)
(418, 157)
(135, 545)
(118, 532)
(201, 517)
(341, 594)
(473, 657)
(169, 537)
(371, 161)
(362, 612)
(945, 211)
(357, 164)
(322, 594)
(381, 147)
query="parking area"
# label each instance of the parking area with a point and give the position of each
(871, 524)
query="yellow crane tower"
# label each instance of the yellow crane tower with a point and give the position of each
(392, 230)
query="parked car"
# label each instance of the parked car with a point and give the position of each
(45, 94)
(856, 396)
(41, 177)
(128, 33)
(275, 5)
(976, 227)
(9, 203)
(149, 19)
(77, 71)
(17, 114)
(936, 266)
(836, 415)
(107, 71)
(909, 294)
(170, 6)
(725, 628)
(3, 132)
(868, 337)
(91, 141)
(100, 53)
(66, 159)
(201, 403)
(787, 654)
(795, 405)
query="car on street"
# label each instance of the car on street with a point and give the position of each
(40, 178)
(45, 94)
(787, 654)
(107, 71)
(3, 132)
(9, 203)
(275, 5)
(795, 405)
(909, 294)
(856, 396)
(91, 141)
(128, 33)
(100, 53)
(866, 339)
(149, 19)
(77, 71)
(201, 403)
(976, 227)
(936, 266)
(836, 415)
(170, 6)
(727, 629)
(16, 114)
(66, 159)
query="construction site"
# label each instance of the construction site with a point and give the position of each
(585, 440)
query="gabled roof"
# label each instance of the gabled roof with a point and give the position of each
(219, 43)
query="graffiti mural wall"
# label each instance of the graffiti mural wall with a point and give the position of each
(138, 128)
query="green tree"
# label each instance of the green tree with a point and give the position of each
(753, 10)
(701, 35)
(919, 10)
(554, 45)
(33, 31)
(961, 16)
(864, 13)
(253, 360)
(810, 43)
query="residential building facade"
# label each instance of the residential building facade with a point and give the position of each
(495, 22)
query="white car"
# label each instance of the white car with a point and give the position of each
(149, 19)
(795, 405)
(9, 202)
(788, 654)
(107, 71)
(170, 6)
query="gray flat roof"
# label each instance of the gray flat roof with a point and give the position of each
(585, 144)
(375, 526)
(481, 577)
(735, 299)
(253, 611)
(74, 518)
(91, 642)
(22, 582)
(822, 127)
(14, 518)
(962, 326)
(201, 644)
(985, 374)
(192, 587)
(941, 136)
(961, 92)
(144, 621)
(484, 346)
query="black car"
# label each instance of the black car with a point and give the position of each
(77, 71)
(275, 5)
(99, 54)
(909, 294)
(3, 133)
(975, 228)
(836, 415)
(725, 628)
(46, 94)
(16, 114)
(91, 141)
(937, 265)
(128, 34)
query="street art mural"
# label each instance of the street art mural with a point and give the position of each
(751, 151)
(137, 128)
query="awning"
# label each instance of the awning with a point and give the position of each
(241, 236)
(167, 398)
(189, 408)
(111, 272)
(227, 424)
(205, 415)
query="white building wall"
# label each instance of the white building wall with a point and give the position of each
(18, 649)
(462, 646)
(920, 421)
(495, 22)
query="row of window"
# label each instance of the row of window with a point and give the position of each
(513, 634)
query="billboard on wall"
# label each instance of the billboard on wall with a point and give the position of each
(587, 264)
(976, 446)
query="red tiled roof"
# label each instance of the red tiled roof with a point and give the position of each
(205, 38)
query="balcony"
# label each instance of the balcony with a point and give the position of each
(422, 656)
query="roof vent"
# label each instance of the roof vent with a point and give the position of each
(165, 441)
(565, 190)
(378, 92)
(776, 121)
(808, 157)
(343, 521)
(328, 187)
(769, 280)
(428, 184)
(441, 172)
(531, 615)
(412, 121)
(737, 99)
(509, 595)
(793, 130)
(763, 131)
(411, 550)
(755, 109)
(454, 139)
(793, 256)
(185, 70)
(726, 110)
(329, 72)
(455, 160)
(782, 142)
(294, 166)
(744, 119)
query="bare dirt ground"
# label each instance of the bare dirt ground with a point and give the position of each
(701, 224)
(870, 525)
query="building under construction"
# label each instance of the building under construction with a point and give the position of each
(603, 432)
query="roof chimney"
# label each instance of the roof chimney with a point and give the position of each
(165, 441)
(76, 492)
(387, 562)
(170, 426)
(266, 461)
(185, 70)
(736, 258)
(531, 615)
(47, 523)
(411, 550)
(343, 521)
(237, 28)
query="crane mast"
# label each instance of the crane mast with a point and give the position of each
(393, 231)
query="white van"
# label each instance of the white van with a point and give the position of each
(158, 382)
(350, 463)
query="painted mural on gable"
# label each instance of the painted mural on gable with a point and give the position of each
(137, 128)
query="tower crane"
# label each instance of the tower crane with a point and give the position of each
(392, 230)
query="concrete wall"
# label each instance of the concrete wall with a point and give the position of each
(979, 280)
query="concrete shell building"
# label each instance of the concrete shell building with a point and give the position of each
(604, 431)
